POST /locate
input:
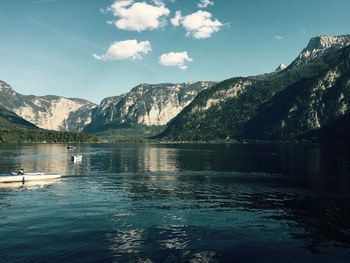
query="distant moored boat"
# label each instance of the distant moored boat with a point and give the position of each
(77, 158)
(71, 147)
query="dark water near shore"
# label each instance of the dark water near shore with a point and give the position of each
(178, 203)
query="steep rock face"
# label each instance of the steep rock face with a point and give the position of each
(48, 112)
(288, 104)
(150, 105)
(9, 119)
(78, 119)
(319, 46)
(325, 42)
(15, 129)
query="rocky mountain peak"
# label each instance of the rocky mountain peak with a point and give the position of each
(309, 100)
(319, 46)
(281, 67)
(47, 112)
(146, 104)
(6, 91)
(4, 85)
(324, 42)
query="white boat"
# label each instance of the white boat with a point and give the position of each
(35, 184)
(77, 158)
(10, 178)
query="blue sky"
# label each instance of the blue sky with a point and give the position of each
(98, 48)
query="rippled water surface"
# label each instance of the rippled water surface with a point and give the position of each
(178, 203)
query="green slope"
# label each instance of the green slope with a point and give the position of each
(256, 111)
(14, 129)
(227, 119)
(305, 108)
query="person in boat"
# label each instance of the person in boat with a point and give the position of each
(20, 172)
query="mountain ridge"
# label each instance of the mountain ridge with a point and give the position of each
(9, 118)
(229, 118)
(49, 112)
(145, 104)
(14, 129)
(237, 108)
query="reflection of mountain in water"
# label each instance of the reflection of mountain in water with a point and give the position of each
(44, 158)
(306, 196)
(48, 158)
(216, 204)
(158, 159)
(135, 158)
(188, 202)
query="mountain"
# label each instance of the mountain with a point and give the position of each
(304, 101)
(145, 105)
(319, 46)
(9, 119)
(14, 129)
(281, 67)
(143, 111)
(47, 112)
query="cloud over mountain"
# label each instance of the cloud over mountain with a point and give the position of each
(139, 16)
(126, 49)
(199, 25)
(177, 59)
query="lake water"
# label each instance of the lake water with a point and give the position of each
(178, 203)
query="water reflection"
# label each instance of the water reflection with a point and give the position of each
(134, 158)
(29, 185)
(49, 158)
(126, 241)
(315, 163)
(180, 203)
(155, 159)
(35, 158)
(258, 205)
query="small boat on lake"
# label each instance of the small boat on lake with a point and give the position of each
(71, 147)
(77, 158)
(11, 178)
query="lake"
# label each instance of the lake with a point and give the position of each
(177, 203)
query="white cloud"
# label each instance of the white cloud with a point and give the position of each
(127, 49)
(158, 2)
(198, 25)
(139, 16)
(279, 37)
(205, 3)
(177, 59)
(176, 19)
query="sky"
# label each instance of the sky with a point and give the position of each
(93, 49)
